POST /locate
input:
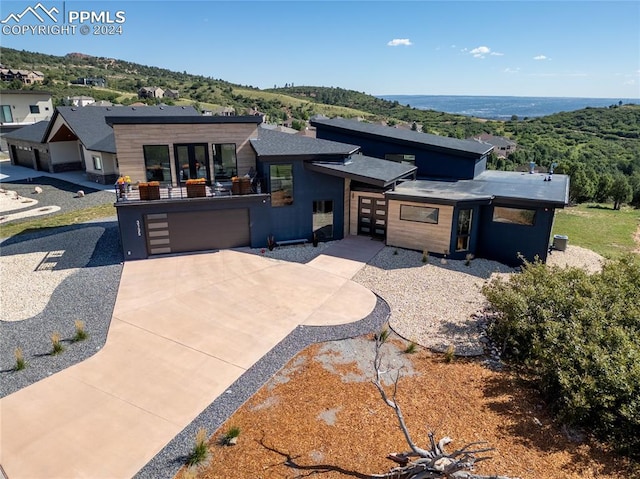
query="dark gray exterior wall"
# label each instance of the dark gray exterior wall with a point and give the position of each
(430, 163)
(504, 242)
(295, 221)
(132, 224)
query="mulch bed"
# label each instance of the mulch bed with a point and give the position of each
(317, 418)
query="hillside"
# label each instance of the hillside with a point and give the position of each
(597, 146)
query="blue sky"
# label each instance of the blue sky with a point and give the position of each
(520, 48)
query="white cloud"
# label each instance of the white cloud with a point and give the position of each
(511, 70)
(540, 57)
(482, 51)
(399, 41)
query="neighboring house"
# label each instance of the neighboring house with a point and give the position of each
(19, 108)
(79, 100)
(221, 111)
(78, 138)
(99, 82)
(502, 147)
(169, 93)
(103, 103)
(151, 92)
(457, 207)
(28, 77)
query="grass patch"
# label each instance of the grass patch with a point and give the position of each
(230, 437)
(450, 354)
(599, 228)
(20, 362)
(64, 219)
(200, 450)
(81, 333)
(411, 348)
(56, 344)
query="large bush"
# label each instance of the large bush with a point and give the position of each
(578, 335)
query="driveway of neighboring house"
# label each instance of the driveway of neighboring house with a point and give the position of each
(184, 329)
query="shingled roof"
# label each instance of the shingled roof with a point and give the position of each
(274, 143)
(33, 133)
(402, 136)
(90, 126)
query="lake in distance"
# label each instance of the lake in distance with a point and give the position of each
(503, 107)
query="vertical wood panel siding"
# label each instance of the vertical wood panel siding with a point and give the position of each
(414, 235)
(355, 200)
(346, 208)
(131, 138)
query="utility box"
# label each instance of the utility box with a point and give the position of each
(560, 242)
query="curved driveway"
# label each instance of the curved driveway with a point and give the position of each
(184, 328)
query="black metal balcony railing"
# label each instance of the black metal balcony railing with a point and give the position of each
(168, 192)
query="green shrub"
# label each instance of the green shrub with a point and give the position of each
(230, 437)
(200, 450)
(450, 354)
(81, 333)
(411, 348)
(579, 336)
(56, 345)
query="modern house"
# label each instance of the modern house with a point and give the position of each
(150, 92)
(78, 139)
(19, 108)
(28, 77)
(210, 182)
(88, 81)
(457, 207)
(81, 100)
(502, 147)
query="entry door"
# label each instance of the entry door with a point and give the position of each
(372, 216)
(192, 161)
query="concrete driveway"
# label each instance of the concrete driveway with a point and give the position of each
(184, 328)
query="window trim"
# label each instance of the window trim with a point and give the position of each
(404, 209)
(97, 162)
(285, 201)
(34, 109)
(505, 219)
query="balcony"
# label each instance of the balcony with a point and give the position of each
(152, 192)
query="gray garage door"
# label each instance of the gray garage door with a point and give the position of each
(197, 231)
(22, 157)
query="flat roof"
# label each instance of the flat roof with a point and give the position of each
(400, 135)
(365, 169)
(489, 185)
(180, 119)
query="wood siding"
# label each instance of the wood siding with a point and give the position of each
(131, 138)
(435, 238)
(355, 200)
(346, 209)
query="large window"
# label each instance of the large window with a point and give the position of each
(34, 109)
(517, 216)
(323, 219)
(5, 114)
(281, 178)
(156, 162)
(463, 233)
(421, 214)
(225, 163)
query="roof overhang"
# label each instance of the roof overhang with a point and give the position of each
(364, 169)
(180, 120)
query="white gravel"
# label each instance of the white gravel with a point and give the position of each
(433, 304)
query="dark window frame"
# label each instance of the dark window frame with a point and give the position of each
(156, 171)
(528, 220)
(405, 209)
(222, 171)
(34, 109)
(285, 185)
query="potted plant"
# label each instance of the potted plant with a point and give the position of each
(124, 185)
(271, 242)
(196, 188)
(149, 190)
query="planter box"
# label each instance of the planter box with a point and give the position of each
(149, 192)
(196, 191)
(245, 186)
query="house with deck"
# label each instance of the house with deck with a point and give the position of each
(409, 189)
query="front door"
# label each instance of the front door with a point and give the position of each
(192, 161)
(372, 216)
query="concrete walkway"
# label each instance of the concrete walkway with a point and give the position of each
(184, 328)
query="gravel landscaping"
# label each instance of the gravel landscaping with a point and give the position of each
(78, 282)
